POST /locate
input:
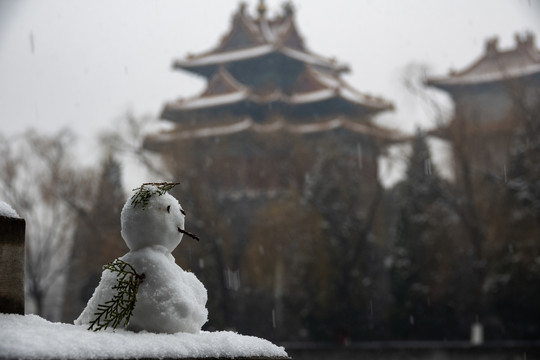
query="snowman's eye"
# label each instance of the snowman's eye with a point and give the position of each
(169, 208)
(183, 212)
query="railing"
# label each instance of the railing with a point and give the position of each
(417, 350)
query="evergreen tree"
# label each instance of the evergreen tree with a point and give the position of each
(419, 260)
(524, 163)
(348, 205)
(516, 265)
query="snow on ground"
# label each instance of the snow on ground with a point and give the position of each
(32, 337)
(7, 211)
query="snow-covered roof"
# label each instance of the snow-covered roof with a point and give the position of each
(255, 37)
(312, 86)
(248, 124)
(175, 111)
(32, 337)
(219, 58)
(313, 59)
(314, 96)
(207, 101)
(207, 63)
(496, 65)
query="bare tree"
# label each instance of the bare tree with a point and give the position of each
(39, 178)
(434, 104)
(127, 142)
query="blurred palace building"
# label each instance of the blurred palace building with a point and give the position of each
(490, 96)
(262, 84)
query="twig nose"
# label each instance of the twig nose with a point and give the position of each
(193, 236)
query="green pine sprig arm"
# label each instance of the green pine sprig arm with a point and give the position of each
(144, 193)
(120, 308)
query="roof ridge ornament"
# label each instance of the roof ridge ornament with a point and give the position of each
(492, 45)
(288, 8)
(242, 8)
(525, 41)
(261, 8)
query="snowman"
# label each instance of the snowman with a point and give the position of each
(166, 299)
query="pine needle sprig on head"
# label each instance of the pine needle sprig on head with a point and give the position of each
(120, 307)
(146, 190)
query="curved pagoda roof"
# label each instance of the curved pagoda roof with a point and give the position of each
(314, 92)
(251, 38)
(262, 71)
(495, 65)
(247, 124)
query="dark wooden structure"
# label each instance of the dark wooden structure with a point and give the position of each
(12, 232)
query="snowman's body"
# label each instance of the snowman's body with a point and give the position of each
(169, 299)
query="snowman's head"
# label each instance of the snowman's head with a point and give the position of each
(152, 217)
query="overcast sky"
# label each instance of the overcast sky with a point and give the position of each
(83, 64)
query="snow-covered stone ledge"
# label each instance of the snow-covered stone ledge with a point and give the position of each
(32, 337)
